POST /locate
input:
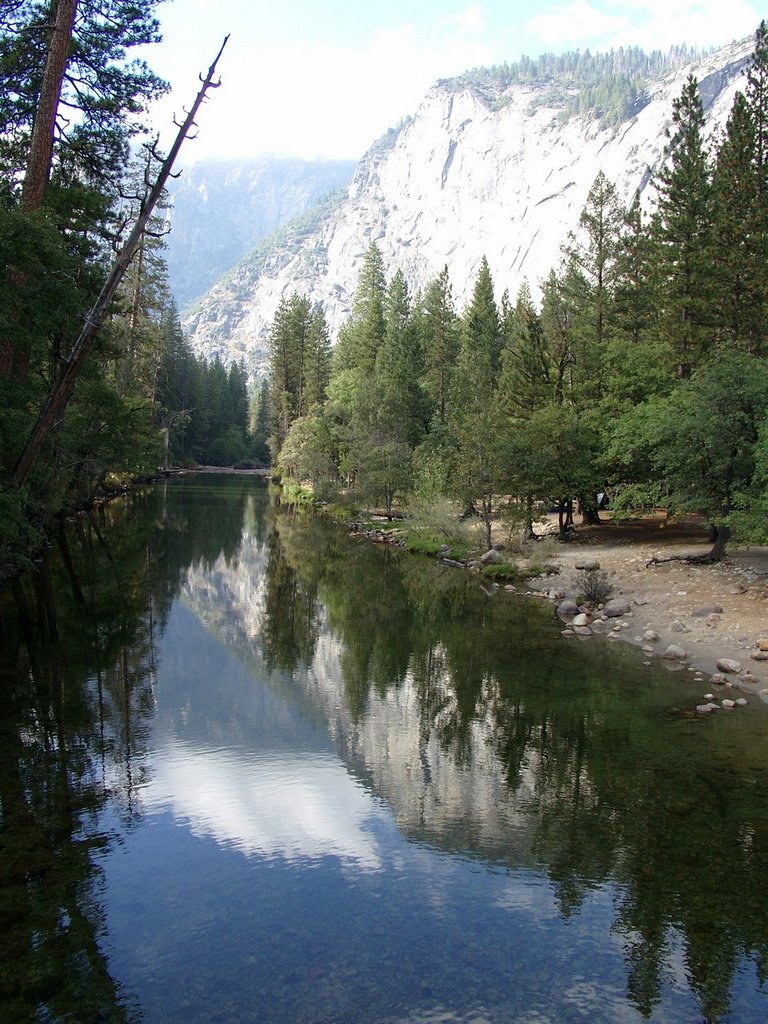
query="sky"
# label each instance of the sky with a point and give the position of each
(325, 80)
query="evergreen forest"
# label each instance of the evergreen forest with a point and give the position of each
(74, 172)
(642, 373)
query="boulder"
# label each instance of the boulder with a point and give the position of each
(567, 609)
(728, 704)
(582, 631)
(762, 645)
(759, 655)
(580, 620)
(492, 557)
(616, 607)
(678, 627)
(728, 665)
(650, 636)
(675, 653)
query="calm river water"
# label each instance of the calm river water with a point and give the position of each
(254, 771)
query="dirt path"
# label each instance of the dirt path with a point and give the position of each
(676, 599)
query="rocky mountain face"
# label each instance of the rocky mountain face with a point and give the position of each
(222, 208)
(468, 175)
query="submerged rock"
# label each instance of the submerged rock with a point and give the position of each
(567, 609)
(675, 653)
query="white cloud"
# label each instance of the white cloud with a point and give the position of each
(567, 25)
(318, 99)
(470, 22)
(650, 24)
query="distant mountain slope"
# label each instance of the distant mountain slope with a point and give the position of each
(223, 208)
(486, 166)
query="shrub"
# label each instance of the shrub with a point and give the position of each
(594, 585)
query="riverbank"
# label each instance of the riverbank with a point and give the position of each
(712, 611)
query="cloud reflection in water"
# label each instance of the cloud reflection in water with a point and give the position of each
(272, 805)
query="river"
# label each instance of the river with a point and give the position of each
(254, 770)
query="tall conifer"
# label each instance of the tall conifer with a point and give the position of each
(685, 234)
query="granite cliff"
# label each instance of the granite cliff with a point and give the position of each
(475, 171)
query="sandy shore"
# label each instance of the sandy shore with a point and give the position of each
(676, 599)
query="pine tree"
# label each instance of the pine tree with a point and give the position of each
(685, 228)
(290, 346)
(557, 323)
(362, 335)
(101, 91)
(740, 281)
(595, 253)
(481, 341)
(399, 365)
(635, 300)
(317, 360)
(440, 343)
(757, 102)
(526, 379)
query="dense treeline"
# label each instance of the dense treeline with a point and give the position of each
(642, 372)
(610, 86)
(71, 183)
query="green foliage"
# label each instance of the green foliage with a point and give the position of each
(700, 449)
(294, 494)
(102, 93)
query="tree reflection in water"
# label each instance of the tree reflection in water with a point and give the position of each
(626, 789)
(604, 782)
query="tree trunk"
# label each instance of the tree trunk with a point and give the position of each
(722, 534)
(41, 147)
(590, 514)
(14, 362)
(529, 531)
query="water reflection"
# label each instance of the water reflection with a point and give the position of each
(217, 717)
(300, 807)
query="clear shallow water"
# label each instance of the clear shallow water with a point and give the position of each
(264, 773)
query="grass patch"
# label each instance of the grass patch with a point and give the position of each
(420, 543)
(516, 573)
(340, 513)
(436, 545)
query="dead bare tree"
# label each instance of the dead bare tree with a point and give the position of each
(55, 406)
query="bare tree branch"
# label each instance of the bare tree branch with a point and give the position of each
(56, 404)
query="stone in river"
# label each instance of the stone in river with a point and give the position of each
(675, 653)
